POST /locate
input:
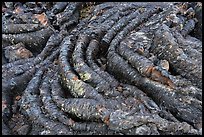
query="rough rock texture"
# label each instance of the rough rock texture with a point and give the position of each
(126, 68)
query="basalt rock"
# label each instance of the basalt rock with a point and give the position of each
(108, 68)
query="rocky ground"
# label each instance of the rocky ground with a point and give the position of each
(126, 68)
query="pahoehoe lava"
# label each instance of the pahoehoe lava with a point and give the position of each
(103, 68)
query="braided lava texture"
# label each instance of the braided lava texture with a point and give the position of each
(75, 68)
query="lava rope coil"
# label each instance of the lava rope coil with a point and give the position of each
(103, 68)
